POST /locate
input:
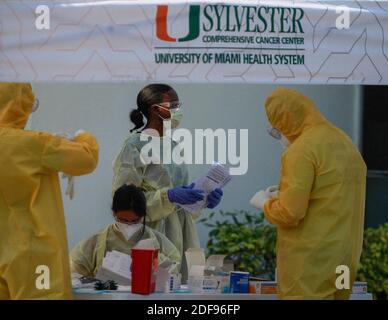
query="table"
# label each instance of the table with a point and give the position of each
(114, 295)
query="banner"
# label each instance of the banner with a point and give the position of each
(239, 41)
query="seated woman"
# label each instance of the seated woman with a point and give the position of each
(129, 210)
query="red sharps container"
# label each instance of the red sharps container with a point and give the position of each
(144, 269)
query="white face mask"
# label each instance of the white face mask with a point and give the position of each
(128, 230)
(284, 142)
(35, 107)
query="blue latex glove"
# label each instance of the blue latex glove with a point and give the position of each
(214, 198)
(185, 194)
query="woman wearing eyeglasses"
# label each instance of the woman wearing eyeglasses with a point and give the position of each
(129, 210)
(166, 185)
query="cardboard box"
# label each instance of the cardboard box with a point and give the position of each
(263, 287)
(360, 288)
(167, 282)
(215, 281)
(270, 287)
(239, 282)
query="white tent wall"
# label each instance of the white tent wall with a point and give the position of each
(103, 109)
(293, 41)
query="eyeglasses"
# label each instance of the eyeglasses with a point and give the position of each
(274, 133)
(127, 222)
(171, 106)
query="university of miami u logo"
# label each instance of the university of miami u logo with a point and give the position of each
(161, 24)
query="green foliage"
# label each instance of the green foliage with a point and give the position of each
(245, 238)
(374, 261)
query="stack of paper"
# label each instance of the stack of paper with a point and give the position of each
(116, 266)
(217, 177)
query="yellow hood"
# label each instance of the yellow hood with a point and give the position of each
(291, 112)
(16, 102)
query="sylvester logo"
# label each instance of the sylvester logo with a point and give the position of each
(161, 24)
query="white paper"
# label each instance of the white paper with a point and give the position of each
(217, 177)
(197, 270)
(116, 266)
(162, 278)
(118, 262)
(195, 257)
(124, 288)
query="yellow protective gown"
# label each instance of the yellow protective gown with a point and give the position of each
(87, 256)
(32, 224)
(320, 209)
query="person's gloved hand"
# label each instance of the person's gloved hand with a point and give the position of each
(259, 199)
(273, 191)
(185, 194)
(214, 198)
